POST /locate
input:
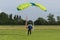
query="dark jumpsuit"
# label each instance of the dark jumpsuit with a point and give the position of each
(29, 29)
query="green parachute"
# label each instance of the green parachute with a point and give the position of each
(26, 5)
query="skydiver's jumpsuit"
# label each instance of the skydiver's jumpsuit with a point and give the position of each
(29, 29)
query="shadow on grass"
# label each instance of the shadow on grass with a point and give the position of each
(12, 34)
(9, 34)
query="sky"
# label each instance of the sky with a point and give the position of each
(10, 7)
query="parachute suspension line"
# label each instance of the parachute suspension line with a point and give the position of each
(32, 5)
(26, 21)
(31, 0)
(33, 25)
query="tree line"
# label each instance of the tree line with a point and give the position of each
(6, 19)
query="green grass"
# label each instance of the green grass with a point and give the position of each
(37, 34)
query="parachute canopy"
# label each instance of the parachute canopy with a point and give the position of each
(26, 5)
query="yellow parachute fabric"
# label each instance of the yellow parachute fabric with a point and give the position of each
(26, 5)
(41, 6)
(23, 6)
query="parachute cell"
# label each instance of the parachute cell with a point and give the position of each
(40, 6)
(23, 6)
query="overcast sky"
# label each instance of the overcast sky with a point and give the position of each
(9, 6)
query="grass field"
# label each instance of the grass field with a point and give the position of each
(20, 33)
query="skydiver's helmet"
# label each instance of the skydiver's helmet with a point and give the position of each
(29, 24)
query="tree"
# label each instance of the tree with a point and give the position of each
(21, 21)
(3, 18)
(10, 21)
(58, 19)
(10, 17)
(51, 19)
(16, 19)
(40, 21)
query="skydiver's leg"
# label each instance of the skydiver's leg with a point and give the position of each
(28, 32)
